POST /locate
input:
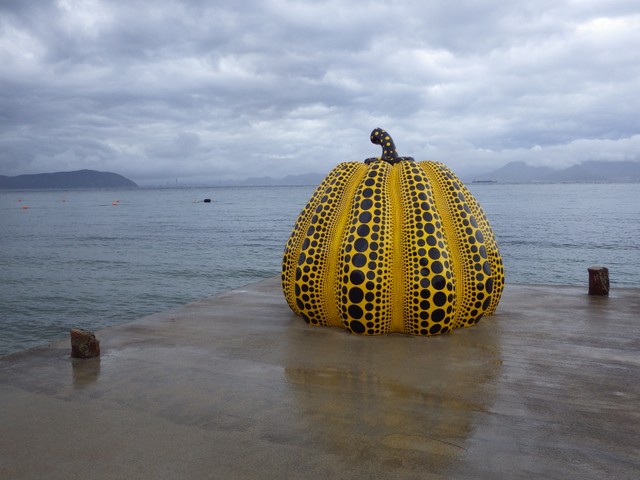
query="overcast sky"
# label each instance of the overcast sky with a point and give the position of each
(203, 90)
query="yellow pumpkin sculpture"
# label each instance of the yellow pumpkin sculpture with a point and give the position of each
(392, 245)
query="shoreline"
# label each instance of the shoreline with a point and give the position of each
(62, 339)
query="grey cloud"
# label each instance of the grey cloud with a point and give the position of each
(214, 90)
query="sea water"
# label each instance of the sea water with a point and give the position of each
(96, 258)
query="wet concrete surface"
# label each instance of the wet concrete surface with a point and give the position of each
(236, 386)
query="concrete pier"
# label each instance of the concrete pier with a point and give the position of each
(237, 387)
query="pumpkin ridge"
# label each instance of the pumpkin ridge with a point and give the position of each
(328, 212)
(397, 213)
(450, 239)
(469, 249)
(437, 298)
(495, 261)
(294, 243)
(363, 297)
(339, 228)
(311, 241)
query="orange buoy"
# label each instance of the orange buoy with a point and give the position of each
(25, 207)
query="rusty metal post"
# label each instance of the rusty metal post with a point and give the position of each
(598, 280)
(84, 344)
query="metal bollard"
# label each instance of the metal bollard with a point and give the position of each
(84, 344)
(598, 280)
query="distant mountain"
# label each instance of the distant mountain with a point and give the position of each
(576, 173)
(623, 171)
(75, 179)
(590, 171)
(516, 172)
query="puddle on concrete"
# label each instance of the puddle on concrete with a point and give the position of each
(85, 371)
(422, 444)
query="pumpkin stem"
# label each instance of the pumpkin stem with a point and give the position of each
(389, 153)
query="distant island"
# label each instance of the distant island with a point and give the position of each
(66, 180)
(585, 172)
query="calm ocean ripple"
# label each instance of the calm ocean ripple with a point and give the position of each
(97, 258)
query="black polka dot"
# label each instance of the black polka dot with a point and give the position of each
(438, 315)
(366, 204)
(364, 217)
(355, 311)
(357, 277)
(359, 260)
(361, 244)
(439, 299)
(356, 295)
(356, 326)
(435, 329)
(486, 268)
(438, 282)
(363, 230)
